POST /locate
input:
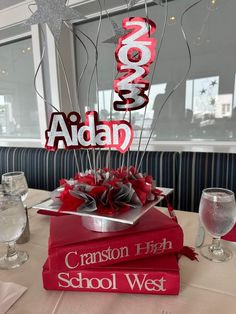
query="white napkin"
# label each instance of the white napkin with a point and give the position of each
(9, 294)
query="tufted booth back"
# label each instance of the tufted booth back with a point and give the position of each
(201, 170)
(187, 172)
(43, 169)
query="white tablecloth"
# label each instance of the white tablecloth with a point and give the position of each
(206, 287)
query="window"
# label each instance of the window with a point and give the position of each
(22, 112)
(201, 111)
(19, 117)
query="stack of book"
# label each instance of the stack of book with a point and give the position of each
(141, 259)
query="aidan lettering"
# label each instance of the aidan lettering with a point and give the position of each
(89, 134)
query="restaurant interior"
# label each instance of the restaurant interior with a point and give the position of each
(107, 109)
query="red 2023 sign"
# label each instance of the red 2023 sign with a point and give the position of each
(134, 54)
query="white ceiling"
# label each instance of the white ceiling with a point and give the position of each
(7, 3)
(109, 3)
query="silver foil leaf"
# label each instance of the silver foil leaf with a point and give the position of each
(90, 203)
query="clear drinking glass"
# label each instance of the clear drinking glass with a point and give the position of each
(12, 224)
(217, 212)
(15, 183)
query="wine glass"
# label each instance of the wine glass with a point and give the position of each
(15, 183)
(217, 212)
(12, 224)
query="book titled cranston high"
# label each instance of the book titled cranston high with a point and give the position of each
(73, 247)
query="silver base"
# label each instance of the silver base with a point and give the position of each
(103, 225)
(122, 220)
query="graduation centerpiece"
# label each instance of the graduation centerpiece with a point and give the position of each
(116, 203)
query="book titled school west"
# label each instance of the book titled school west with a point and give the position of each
(153, 275)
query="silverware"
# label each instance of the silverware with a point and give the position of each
(200, 235)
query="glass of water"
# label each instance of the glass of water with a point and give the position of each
(12, 224)
(15, 183)
(217, 212)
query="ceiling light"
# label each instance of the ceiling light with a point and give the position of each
(3, 73)
(172, 20)
(212, 5)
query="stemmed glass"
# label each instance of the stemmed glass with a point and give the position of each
(217, 212)
(15, 183)
(12, 224)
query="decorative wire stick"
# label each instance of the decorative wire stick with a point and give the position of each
(90, 82)
(108, 160)
(87, 60)
(96, 44)
(85, 35)
(89, 159)
(76, 159)
(111, 106)
(123, 155)
(130, 113)
(86, 64)
(178, 84)
(91, 77)
(35, 77)
(99, 159)
(39, 66)
(66, 77)
(128, 152)
(152, 77)
(79, 82)
(128, 7)
(96, 78)
(70, 99)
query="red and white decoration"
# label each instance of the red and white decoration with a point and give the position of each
(134, 54)
(92, 133)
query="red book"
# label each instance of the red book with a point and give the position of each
(154, 275)
(73, 247)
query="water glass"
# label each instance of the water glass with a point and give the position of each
(12, 224)
(217, 212)
(15, 183)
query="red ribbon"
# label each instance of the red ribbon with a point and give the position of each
(189, 252)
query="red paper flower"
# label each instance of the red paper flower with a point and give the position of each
(107, 191)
